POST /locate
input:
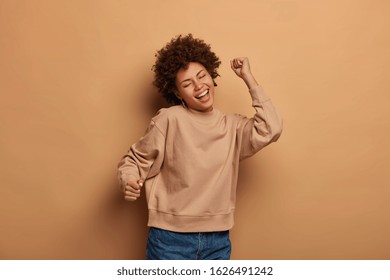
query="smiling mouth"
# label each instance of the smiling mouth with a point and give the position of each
(202, 94)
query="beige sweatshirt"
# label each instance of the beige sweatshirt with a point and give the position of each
(189, 161)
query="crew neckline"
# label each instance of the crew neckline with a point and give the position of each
(202, 116)
(195, 112)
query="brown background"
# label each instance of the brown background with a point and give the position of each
(76, 93)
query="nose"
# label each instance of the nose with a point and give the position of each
(198, 85)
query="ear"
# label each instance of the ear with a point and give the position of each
(176, 92)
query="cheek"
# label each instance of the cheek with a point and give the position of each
(211, 82)
(185, 93)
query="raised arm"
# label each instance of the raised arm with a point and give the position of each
(266, 125)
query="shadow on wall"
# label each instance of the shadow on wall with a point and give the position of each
(151, 101)
(128, 226)
(113, 229)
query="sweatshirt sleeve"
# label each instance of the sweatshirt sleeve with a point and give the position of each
(263, 128)
(145, 157)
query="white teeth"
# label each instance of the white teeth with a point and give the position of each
(202, 94)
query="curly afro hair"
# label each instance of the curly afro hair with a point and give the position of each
(177, 54)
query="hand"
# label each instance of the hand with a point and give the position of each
(241, 67)
(132, 190)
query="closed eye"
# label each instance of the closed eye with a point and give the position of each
(201, 74)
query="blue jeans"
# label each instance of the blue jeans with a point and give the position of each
(168, 245)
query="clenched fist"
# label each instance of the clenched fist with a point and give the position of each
(132, 190)
(241, 67)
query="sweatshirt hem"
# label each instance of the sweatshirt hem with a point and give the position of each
(181, 223)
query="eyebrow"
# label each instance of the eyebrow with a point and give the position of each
(197, 74)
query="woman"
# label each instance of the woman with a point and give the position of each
(189, 157)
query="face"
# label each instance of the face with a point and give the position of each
(196, 87)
